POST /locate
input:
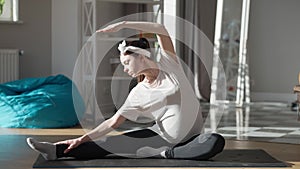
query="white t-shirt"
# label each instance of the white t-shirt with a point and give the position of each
(170, 102)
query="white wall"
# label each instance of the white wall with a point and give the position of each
(66, 27)
(33, 36)
(273, 49)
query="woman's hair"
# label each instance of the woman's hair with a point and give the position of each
(141, 43)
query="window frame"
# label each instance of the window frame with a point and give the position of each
(10, 12)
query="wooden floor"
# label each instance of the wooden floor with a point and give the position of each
(15, 154)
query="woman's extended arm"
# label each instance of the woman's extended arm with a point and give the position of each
(100, 131)
(104, 128)
(163, 36)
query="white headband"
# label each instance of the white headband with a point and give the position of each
(123, 48)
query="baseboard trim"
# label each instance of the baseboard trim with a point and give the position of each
(273, 97)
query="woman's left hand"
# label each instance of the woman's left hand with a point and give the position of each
(72, 143)
(112, 28)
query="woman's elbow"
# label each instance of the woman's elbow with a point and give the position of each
(114, 125)
(116, 121)
(164, 29)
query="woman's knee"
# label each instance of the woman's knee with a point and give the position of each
(218, 145)
(214, 144)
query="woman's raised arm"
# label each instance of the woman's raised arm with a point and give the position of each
(162, 34)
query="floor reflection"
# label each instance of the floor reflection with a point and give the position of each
(271, 122)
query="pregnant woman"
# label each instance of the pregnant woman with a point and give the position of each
(163, 95)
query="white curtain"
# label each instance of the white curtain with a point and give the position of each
(200, 13)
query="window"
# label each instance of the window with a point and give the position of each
(9, 10)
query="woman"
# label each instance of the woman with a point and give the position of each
(163, 95)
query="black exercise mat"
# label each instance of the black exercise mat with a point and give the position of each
(228, 158)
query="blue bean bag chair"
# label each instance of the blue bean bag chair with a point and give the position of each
(40, 103)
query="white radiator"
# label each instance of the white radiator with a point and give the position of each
(9, 65)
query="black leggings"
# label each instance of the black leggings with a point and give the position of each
(130, 142)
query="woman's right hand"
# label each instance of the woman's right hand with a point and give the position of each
(73, 143)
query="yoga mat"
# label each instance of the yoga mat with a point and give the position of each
(227, 158)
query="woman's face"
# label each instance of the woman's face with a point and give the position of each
(132, 64)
